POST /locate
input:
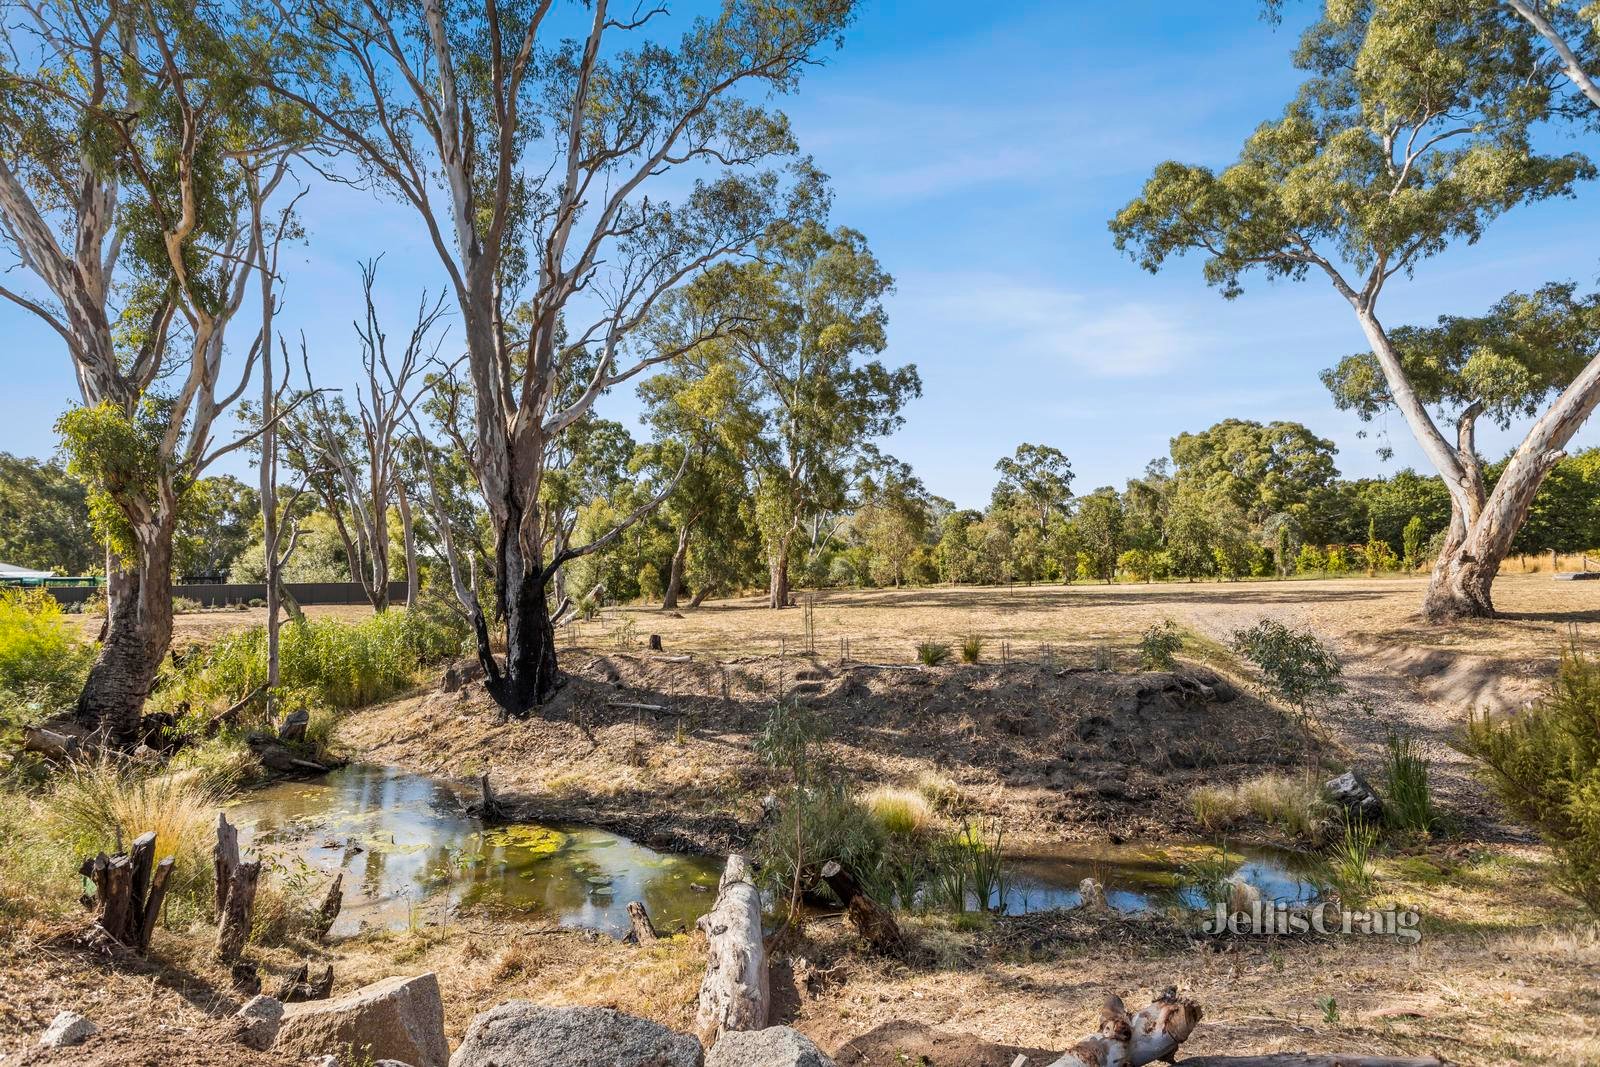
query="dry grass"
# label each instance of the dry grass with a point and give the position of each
(1293, 804)
(902, 812)
(103, 807)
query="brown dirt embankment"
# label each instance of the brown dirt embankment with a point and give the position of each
(664, 748)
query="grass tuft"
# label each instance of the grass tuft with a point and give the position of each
(901, 812)
(932, 653)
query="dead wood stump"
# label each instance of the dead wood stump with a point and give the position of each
(642, 931)
(128, 892)
(872, 921)
(236, 891)
(332, 901)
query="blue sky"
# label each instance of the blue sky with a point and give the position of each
(981, 148)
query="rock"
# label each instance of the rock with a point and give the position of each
(400, 1018)
(776, 1046)
(519, 1033)
(66, 1029)
(261, 1017)
(1352, 793)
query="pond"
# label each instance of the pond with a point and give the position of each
(412, 855)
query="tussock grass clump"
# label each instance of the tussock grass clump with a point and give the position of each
(38, 878)
(932, 653)
(96, 806)
(1215, 807)
(902, 812)
(1294, 804)
(971, 648)
(1410, 799)
(941, 791)
(1350, 859)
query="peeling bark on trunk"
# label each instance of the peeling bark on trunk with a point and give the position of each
(680, 558)
(778, 582)
(138, 633)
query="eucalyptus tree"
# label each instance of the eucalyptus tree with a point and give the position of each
(127, 129)
(355, 456)
(705, 404)
(1259, 469)
(531, 160)
(1414, 131)
(812, 307)
(1040, 477)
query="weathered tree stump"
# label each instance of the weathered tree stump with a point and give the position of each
(128, 892)
(51, 745)
(300, 986)
(489, 809)
(1152, 1033)
(236, 891)
(734, 993)
(292, 730)
(655, 642)
(643, 931)
(872, 921)
(332, 901)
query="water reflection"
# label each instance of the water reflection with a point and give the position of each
(412, 855)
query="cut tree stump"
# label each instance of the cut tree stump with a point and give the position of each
(734, 994)
(872, 921)
(236, 891)
(332, 900)
(128, 891)
(643, 932)
(300, 986)
(488, 807)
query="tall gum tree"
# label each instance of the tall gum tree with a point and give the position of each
(813, 302)
(125, 131)
(532, 161)
(1414, 131)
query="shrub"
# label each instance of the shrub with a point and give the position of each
(1410, 800)
(42, 661)
(816, 825)
(1138, 564)
(1544, 763)
(1159, 645)
(332, 663)
(1310, 560)
(182, 605)
(932, 653)
(1296, 667)
(971, 648)
(1413, 543)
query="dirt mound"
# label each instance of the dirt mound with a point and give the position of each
(663, 747)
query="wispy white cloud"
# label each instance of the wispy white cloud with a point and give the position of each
(1037, 324)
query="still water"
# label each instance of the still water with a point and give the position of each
(411, 855)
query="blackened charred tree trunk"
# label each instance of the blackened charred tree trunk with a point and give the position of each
(530, 676)
(138, 633)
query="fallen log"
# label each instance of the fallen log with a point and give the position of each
(734, 994)
(643, 931)
(635, 705)
(1152, 1033)
(51, 745)
(873, 922)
